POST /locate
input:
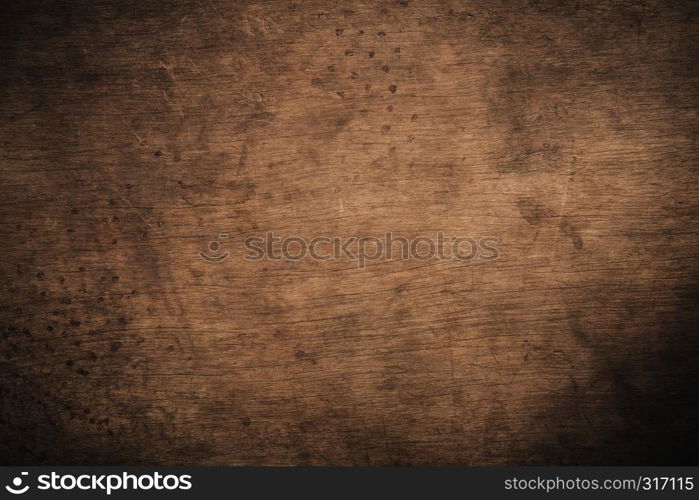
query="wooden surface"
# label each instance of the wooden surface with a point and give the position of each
(133, 133)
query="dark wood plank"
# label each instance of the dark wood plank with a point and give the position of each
(133, 133)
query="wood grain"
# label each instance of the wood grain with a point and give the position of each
(133, 133)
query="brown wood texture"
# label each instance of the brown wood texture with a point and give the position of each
(133, 133)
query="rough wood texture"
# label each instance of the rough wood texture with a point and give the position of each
(134, 132)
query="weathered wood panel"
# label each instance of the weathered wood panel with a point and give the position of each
(133, 133)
